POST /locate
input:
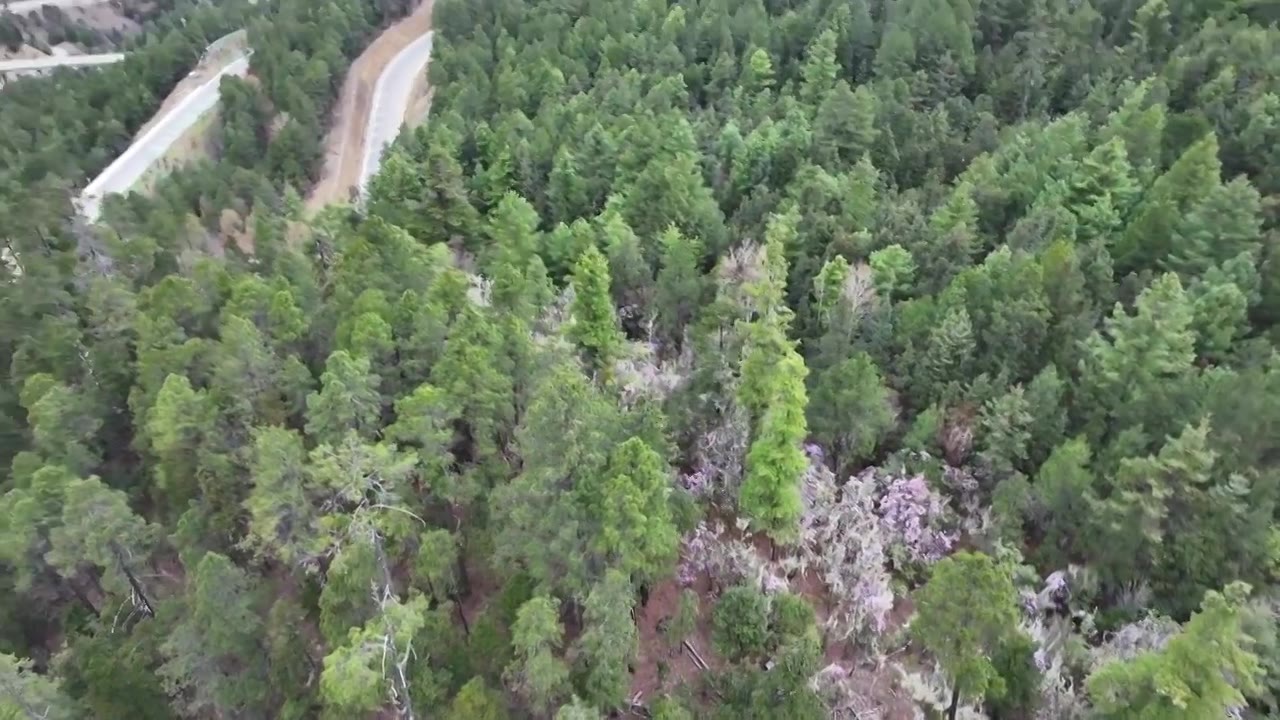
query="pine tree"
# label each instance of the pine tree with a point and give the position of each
(181, 426)
(537, 675)
(845, 127)
(964, 614)
(281, 516)
(475, 701)
(378, 664)
(542, 516)
(477, 388)
(608, 642)
(1064, 493)
(631, 276)
(595, 321)
(636, 534)
(757, 75)
(770, 494)
(819, 72)
(446, 205)
(64, 423)
(680, 288)
(850, 410)
(212, 656)
(948, 355)
(1103, 191)
(1222, 223)
(1149, 234)
(1134, 370)
(25, 693)
(520, 284)
(1201, 673)
(100, 531)
(893, 269)
(348, 400)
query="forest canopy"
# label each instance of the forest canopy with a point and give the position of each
(778, 359)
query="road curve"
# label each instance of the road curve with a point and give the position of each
(121, 175)
(25, 6)
(54, 61)
(391, 98)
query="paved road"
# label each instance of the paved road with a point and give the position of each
(26, 6)
(390, 103)
(54, 61)
(121, 175)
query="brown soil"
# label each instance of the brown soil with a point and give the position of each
(660, 668)
(105, 18)
(344, 145)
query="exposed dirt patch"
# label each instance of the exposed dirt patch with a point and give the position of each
(344, 145)
(419, 102)
(108, 19)
(92, 27)
(26, 52)
(659, 666)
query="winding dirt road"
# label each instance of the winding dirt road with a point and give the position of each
(56, 61)
(371, 110)
(353, 125)
(152, 144)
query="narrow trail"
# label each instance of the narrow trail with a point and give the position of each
(26, 6)
(355, 123)
(56, 61)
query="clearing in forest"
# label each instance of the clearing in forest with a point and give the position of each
(344, 144)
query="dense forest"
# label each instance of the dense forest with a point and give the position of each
(769, 359)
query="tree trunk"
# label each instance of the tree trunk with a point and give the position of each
(464, 580)
(386, 592)
(57, 581)
(133, 581)
(462, 617)
(955, 702)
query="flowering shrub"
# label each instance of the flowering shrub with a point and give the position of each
(841, 537)
(912, 516)
(726, 560)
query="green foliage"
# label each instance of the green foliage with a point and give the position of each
(965, 614)
(475, 701)
(608, 642)
(1200, 673)
(637, 535)
(355, 678)
(850, 410)
(573, 317)
(595, 322)
(892, 269)
(29, 694)
(348, 399)
(212, 655)
(537, 674)
(740, 623)
(770, 493)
